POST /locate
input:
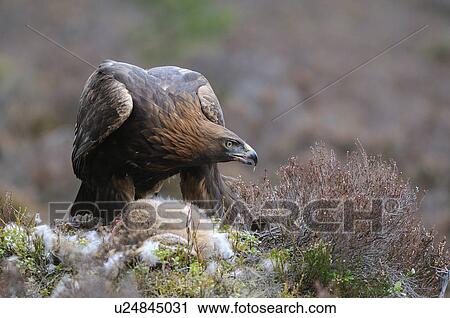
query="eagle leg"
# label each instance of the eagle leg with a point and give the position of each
(152, 190)
(204, 186)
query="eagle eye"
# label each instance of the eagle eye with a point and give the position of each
(229, 143)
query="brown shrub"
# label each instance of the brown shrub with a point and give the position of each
(404, 251)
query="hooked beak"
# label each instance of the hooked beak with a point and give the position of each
(248, 157)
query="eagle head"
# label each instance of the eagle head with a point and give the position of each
(235, 149)
(219, 144)
(189, 138)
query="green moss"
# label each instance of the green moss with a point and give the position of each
(177, 258)
(280, 260)
(348, 284)
(192, 281)
(244, 242)
(317, 265)
(34, 263)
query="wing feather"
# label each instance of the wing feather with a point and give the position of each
(176, 80)
(210, 104)
(105, 104)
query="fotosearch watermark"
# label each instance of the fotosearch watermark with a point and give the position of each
(323, 215)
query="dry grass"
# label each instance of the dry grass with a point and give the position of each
(10, 211)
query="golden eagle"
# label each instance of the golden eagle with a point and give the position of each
(137, 127)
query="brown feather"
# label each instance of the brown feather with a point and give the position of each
(136, 128)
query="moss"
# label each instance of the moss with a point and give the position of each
(348, 284)
(192, 281)
(280, 260)
(316, 266)
(34, 263)
(181, 274)
(312, 265)
(175, 259)
(244, 242)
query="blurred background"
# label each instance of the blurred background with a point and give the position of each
(261, 57)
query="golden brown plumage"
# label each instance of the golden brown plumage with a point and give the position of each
(135, 128)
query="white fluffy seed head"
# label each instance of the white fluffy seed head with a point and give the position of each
(37, 219)
(114, 262)
(222, 245)
(86, 245)
(48, 236)
(212, 268)
(94, 241)
(148, 252)
(268, 265)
